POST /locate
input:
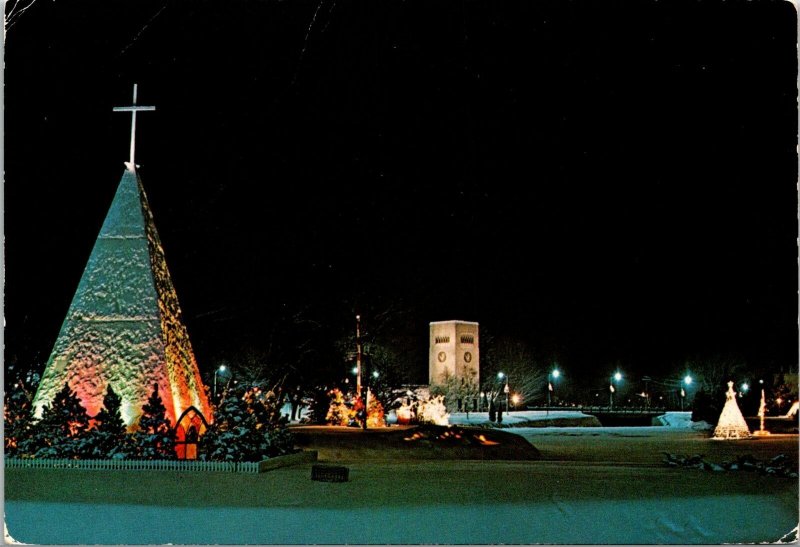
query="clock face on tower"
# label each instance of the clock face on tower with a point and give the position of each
(441, 357)
(467, 357)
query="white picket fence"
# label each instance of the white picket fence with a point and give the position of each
(134, 465)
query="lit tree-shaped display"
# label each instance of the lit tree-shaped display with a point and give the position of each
(338, 411)
(375, 415)
(731, 424)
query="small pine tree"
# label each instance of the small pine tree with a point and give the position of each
(17, 417)
(61, 432)
(109, 438)
(155, 439)
(247, 427)
(274, 438)
(318, 407)
(233, 437)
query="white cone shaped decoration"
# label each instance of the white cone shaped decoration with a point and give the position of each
(124, 327)
(731, 424)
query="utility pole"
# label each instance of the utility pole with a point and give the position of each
(360, 389)
(358, 355)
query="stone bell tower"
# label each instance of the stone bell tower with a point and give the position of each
(454, 350)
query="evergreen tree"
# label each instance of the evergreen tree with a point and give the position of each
(233, 437)
(61, 432)
(318, 407)
(275, 438)
(155, 439)
(247, 427)
(109, 438)
(17, 416)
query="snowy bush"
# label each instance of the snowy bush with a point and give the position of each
(433, 411)
(247, 427)
(419, 406)
(456, 392)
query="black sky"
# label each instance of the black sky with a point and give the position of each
(604, 180)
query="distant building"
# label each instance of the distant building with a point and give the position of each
(454, 351)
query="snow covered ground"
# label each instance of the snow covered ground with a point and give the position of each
(678, 420)
(703, 520)
(516, 417)
(594, 485)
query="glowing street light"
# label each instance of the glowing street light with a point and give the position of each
(745, 387)
(611, 389)
(500, 376)
(688, 381)
(222, 368)
(551, 377)
(375, 374)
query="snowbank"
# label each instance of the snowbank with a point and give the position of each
(682, 420)
(570, 418)
(541, 418)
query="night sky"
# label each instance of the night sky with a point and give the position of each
(606, 181)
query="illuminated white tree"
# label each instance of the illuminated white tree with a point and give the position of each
(731, 424)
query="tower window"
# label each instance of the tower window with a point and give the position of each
(467, 339)
(442, 339)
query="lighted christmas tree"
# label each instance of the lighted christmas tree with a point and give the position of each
(731, 424)
(338, 412)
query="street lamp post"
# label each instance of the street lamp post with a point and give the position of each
(221, 368)
(646, 391)
(502, 375)
(686, 380)
(617, 376)
(551, 376)
(358, 355)
(359, 386)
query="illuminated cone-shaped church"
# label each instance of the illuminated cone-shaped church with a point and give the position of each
(124, 326)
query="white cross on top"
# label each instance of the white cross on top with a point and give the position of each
(133, 109)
